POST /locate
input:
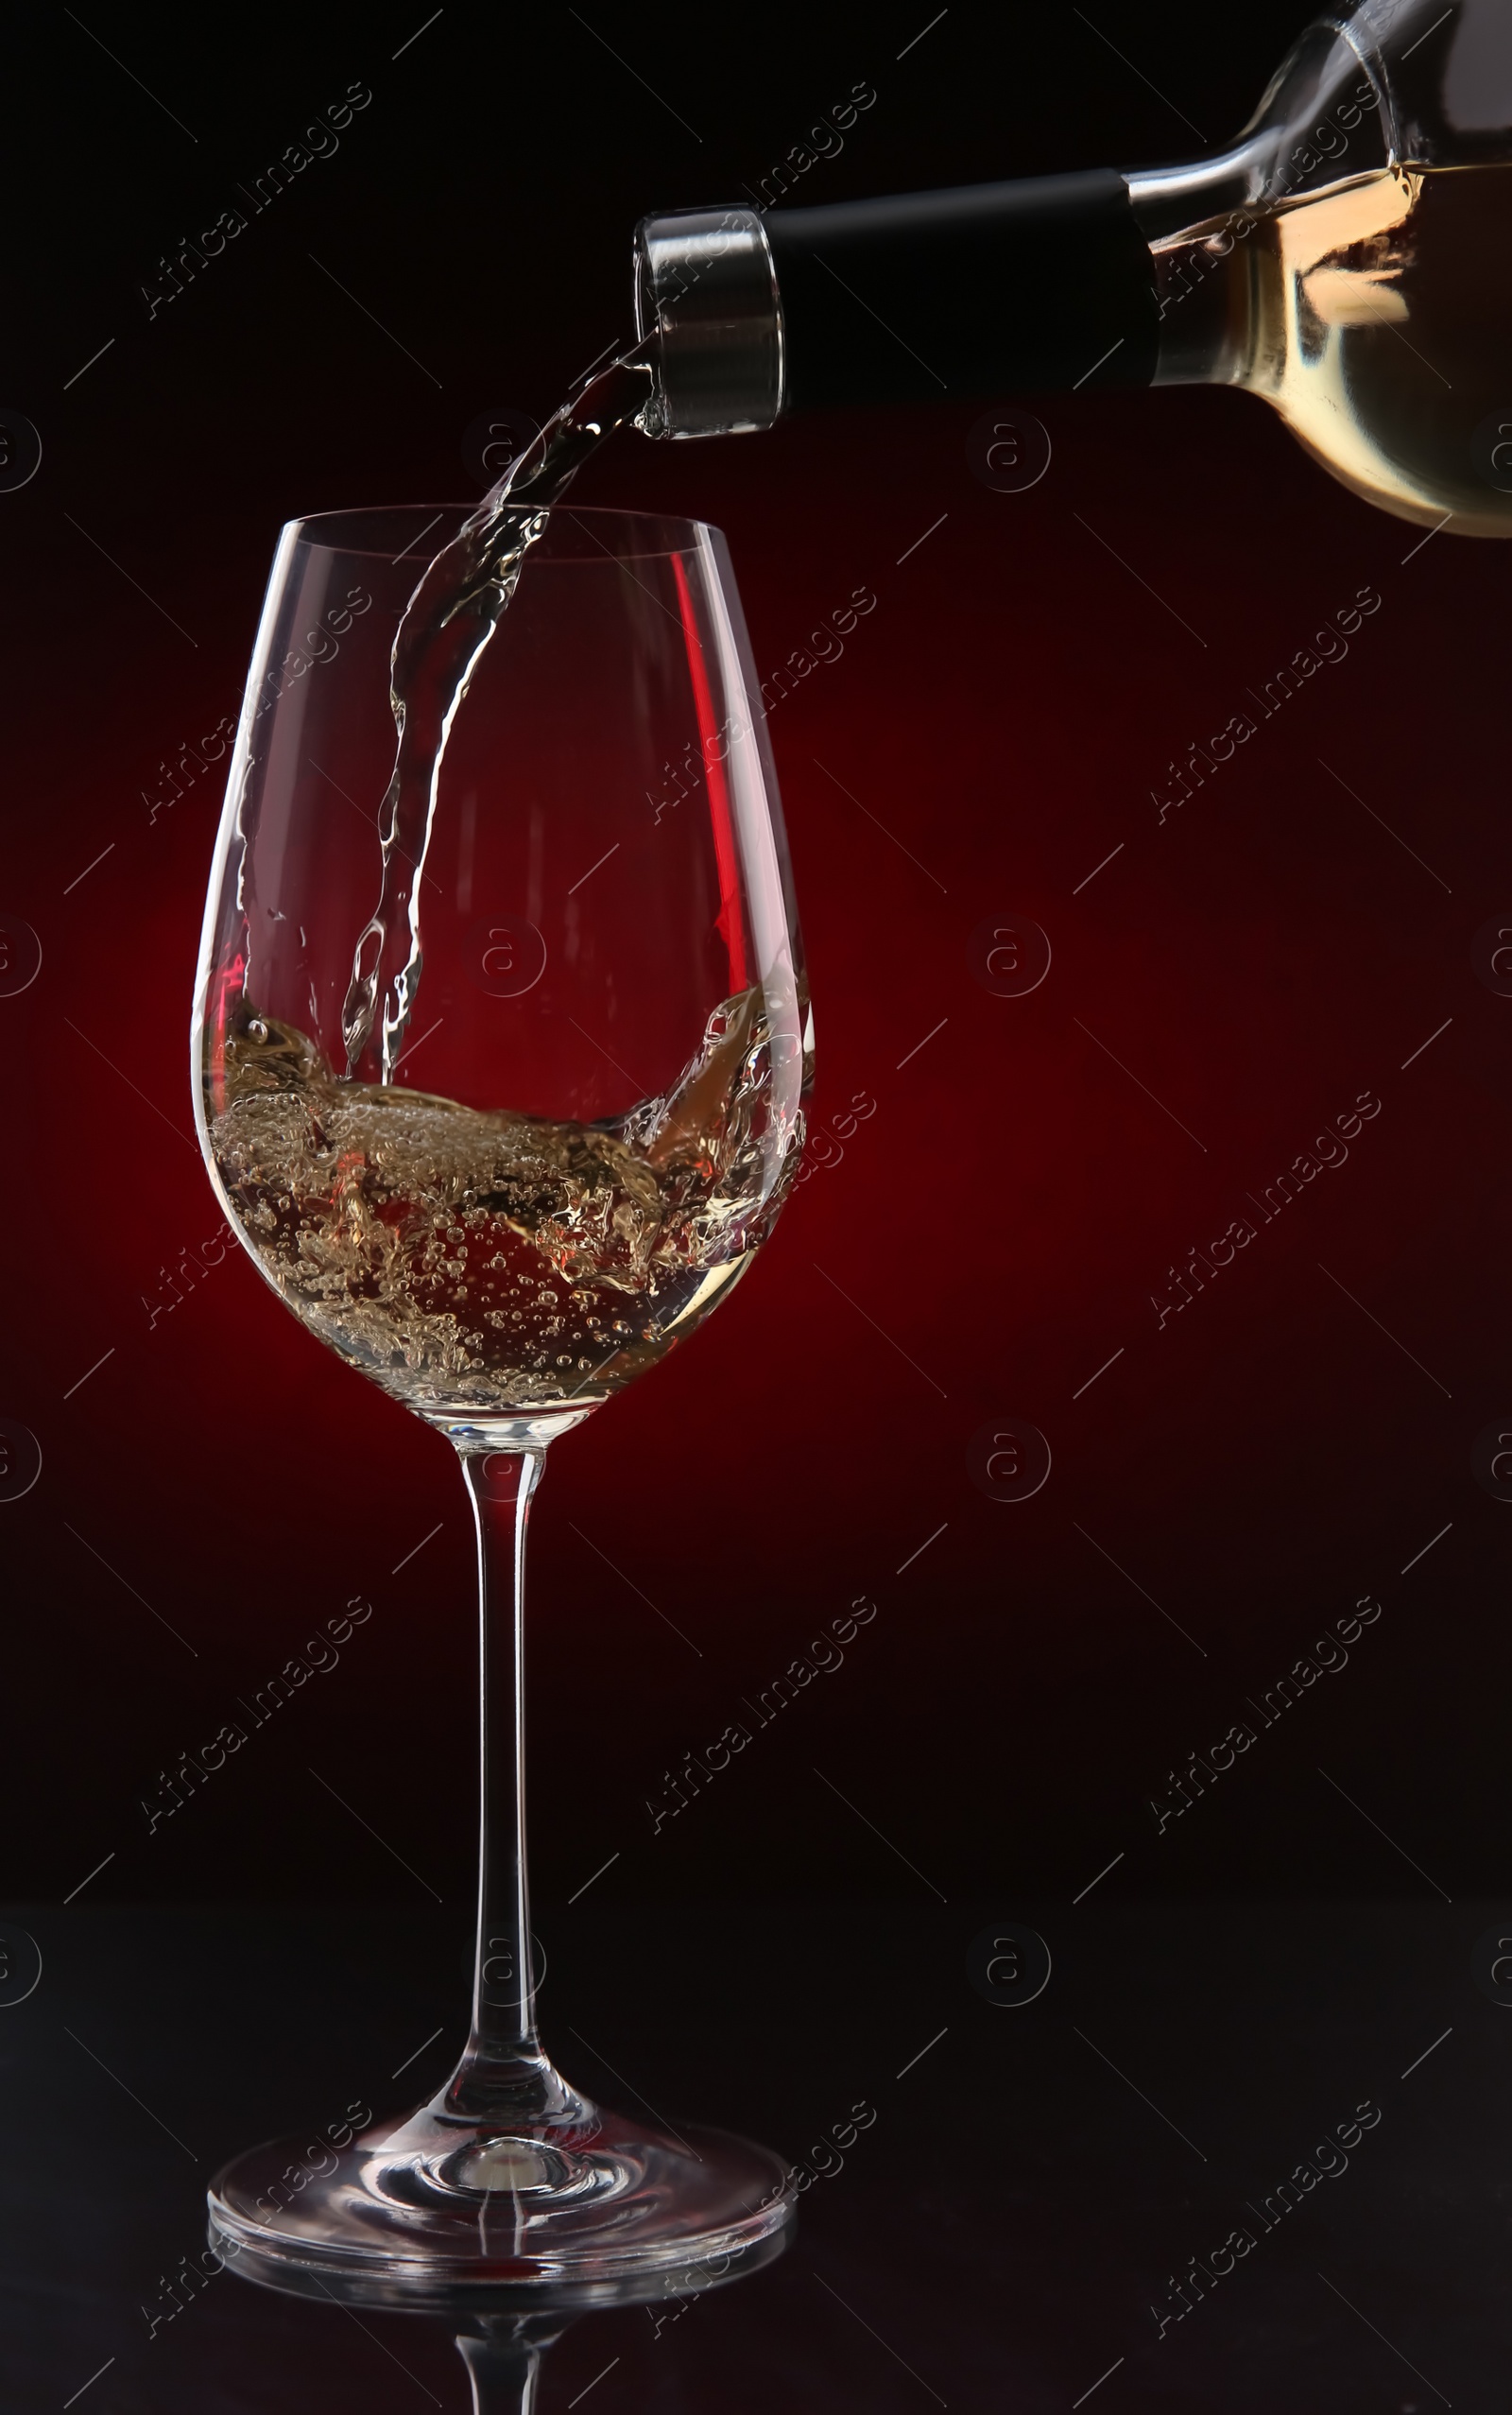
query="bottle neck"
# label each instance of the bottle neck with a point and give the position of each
(1042, 284)
(1169, 201)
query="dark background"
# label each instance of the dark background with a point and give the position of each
(220, 1486)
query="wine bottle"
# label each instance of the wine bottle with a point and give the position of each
(1348, 259)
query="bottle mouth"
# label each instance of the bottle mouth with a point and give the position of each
(706, 295)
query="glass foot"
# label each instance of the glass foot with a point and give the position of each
(433, 2211)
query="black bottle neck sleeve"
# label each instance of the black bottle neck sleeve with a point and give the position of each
(1042, 284)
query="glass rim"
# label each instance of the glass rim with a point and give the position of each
(666, 532)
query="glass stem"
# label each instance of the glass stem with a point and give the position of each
(502, 2357)
(503, 2078)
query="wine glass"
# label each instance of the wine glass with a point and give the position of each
(584, 1117)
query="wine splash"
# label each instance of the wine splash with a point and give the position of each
(487, 1264)
(447, 623)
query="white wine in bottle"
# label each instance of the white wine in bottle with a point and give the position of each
(1377, 318)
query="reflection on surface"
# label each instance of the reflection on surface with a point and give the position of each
(1006, 2270)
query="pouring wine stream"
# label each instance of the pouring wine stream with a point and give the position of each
(447, 623)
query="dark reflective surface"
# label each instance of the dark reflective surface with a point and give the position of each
(1011, 2201)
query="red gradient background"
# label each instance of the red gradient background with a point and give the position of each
(1000, 1223)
